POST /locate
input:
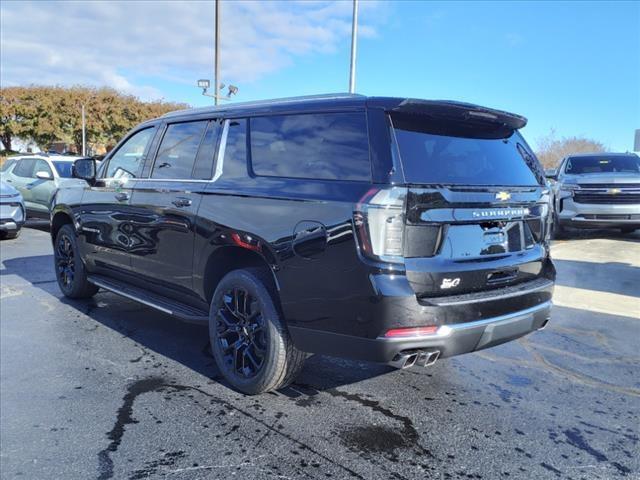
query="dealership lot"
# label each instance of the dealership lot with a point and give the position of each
(107, 388)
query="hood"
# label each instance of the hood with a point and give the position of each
(600, 178)
(7, 190)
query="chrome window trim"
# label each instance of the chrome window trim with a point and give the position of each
(219, 157)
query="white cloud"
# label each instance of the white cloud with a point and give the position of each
(118, 43)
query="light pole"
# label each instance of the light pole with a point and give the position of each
(354, 40)
(216, 77)
(84, 134)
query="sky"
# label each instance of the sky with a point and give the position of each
(569, 67)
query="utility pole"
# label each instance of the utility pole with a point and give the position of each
(84, 134)
(354, 40)
(216, 77)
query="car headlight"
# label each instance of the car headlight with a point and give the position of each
(569, 187)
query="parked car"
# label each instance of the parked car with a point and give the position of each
(37, 177)
(12, 212)
(383, 229)
(600, 190)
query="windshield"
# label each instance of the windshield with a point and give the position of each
(602, 164)
(63, 168)
(466, 158)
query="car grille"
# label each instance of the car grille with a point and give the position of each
(607, 198)
(610, 185)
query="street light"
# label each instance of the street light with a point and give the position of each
(205, 84)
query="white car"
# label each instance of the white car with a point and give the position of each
(12, 212)
(37, 177)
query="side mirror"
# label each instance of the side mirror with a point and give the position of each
(551, 173)
(43, 175)
(85, 169)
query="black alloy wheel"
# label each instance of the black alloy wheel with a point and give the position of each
(69, 267)
(249, 338)
(241, 332)
(65, 262)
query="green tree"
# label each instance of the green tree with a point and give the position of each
(551, 149)
(50, 114)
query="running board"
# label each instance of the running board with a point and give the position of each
(153, 300)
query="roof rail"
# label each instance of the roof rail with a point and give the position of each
(262, 103)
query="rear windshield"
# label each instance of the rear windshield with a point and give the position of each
(459, 159)
(604, 164)
(63, 168)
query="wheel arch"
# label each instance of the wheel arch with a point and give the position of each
(229, 258)
(59, 219)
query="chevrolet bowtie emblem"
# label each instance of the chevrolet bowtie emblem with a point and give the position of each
(613, 191)
(503, 196)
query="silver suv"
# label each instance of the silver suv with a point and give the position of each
(599, 190)
(37, 177)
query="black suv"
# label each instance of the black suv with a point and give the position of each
(384, 229)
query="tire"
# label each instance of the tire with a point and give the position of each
(9, 235)
(249, 340)
(70, 270)
(626, 230)
(559, 231)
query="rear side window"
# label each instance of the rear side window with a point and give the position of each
(327, 146)
(25, 168)
(428, 158)
(7, 164)
(203, 169)
(177, 153)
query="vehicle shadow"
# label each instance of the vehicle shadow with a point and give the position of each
(159, 336)
(589, 234)
(611, 277)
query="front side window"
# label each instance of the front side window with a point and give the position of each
(325, 146)
(64, 169)
(127, 161)
(177, 153)
(602, 164)
(42, 166)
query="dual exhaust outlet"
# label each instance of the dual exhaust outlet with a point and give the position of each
(409, 358)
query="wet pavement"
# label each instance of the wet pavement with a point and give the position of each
(106, 388)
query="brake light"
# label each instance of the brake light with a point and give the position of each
(411, 332)
(379, 222)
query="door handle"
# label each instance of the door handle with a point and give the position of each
(182, 202)
(122, 196)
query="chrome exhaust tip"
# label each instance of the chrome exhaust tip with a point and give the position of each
(427, 358)
(404, 359)
(422, 358)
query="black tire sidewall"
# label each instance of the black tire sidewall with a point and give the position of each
(79, 278)
(273, 324)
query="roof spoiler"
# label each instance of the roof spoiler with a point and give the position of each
(459, 111)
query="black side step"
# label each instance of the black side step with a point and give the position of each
(172, 307)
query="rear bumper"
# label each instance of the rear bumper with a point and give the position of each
(449, 340)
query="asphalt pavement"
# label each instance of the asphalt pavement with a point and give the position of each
(107, 388)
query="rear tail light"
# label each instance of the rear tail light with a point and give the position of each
(411, 332)
(379, 221)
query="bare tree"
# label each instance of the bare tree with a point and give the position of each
(551, 149)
